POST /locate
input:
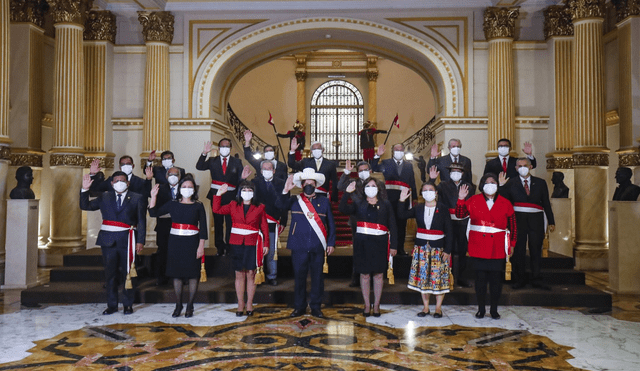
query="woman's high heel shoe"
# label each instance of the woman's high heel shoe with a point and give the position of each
(177, 311)
(189, 312)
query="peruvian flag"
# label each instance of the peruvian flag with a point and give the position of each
(270, 122)
(395, 122)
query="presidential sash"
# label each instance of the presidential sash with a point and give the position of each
(314, 219)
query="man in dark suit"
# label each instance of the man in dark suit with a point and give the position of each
(454, 157)
(505, 163)
(160, 172)
(320, 164)
(224, 169)
(268, 188)
(398, 174)
(123, 212)
(448, 192)
(279, 168)
(530, 198)
(311, 235)
(166, 193)
(136, 184)
(626, 190)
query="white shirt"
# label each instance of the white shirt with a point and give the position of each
(222, 159)
(429, 212)
(122, 195)
(453, 158)
(174, 190)
(528, 181)
(318, 163)
(490, 202)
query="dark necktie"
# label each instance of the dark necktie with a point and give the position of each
(526, 187)
(269, 186)
(399, 167)
(119, 202)
(224, 165)
(504, 164)
(173, 193)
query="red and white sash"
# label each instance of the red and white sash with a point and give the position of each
(272, 220)
(374, 229)
(178, 229)
(314, 219)
(454, 217)
(217, 184)
(429, 234)
(525, 207)
(245, 230)
(113, 226)
(490, 229)
(396, 185)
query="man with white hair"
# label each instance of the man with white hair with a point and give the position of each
(443, 163)
(320, 164)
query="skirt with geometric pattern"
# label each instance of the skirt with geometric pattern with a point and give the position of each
(429, 271)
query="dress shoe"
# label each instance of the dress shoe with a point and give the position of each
(463, 283)
(297, 313)
(188, 313)
(540, 285)
(424, 314)
(365, 313)
(109, 310)
(249, 313)
(480, 314)
(317, 313)
(437, 315)
(354, 283)
(220, 252)
(162, 282)
(273, 282)
(376, 314)
(495, 315)
(239, 314)
(128, 310)
(518, 285)
(177, 311)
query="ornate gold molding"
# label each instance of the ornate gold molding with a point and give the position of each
(157, 26)
(67, 160)
(372, 75)
(590, 159)
(629, 159)
(5, 153)
(26, 159)
(626, 8)
(70, 11)
(32, 11)
(105, 162)
(557, 21)
(581, 9)
(559, 163)
(301, 75)
(156, 162)
(612, 118)
(100, 25)
(500, 22)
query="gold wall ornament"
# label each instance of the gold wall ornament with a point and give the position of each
(626, 8)
(590, 159)
(500, 22)
(559, 163)
(372, 75)
(156, 162)
(301, 75)
(557, 21)
(5, 152)
(157, 26)
(70, 11)
(67, 160)
(32, 11)
(629, 159)
(105, 162)
(100, 26)
(26, 159)
(581, 9)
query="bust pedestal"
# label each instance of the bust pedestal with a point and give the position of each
(624, 254)
(560, 240)
(21, 244)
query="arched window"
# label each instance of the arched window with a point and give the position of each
(337, 114)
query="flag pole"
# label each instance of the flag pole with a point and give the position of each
(395, 120)
(277, 138)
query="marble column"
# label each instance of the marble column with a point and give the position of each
(157, 29)
(372, 76)
(301, 97)
(590, 154)
(628, 81)
(499, 29)
(4, 125)
(67, 153)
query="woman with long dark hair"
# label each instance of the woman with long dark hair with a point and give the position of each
(186, 239)
(249, 239)
(375, 237)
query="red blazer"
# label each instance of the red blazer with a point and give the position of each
(256, 217)
(501, 215)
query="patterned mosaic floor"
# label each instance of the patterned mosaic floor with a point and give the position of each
(272, 341)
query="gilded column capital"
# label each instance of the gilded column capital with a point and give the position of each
(5, 153)
(500, 22)
(557, 21)
(626, 8)
(590, 159)
(100, 25)
(372, 75)
(581, 9)
(70, 11)
(157, 26)
(301, 75)
(31, 11)
(67, 160)
(26, 159)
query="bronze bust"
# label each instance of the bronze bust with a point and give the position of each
(22, 191)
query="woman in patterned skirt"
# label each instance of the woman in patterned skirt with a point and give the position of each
(430, 266)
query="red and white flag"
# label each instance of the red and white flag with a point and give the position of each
(270, 122)
(395, 122)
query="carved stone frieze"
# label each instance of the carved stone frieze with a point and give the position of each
(32, 11)
(557, 21)
(626, 8)
(26, 159)
(559, 163)
(100, 25)
(500, 22)
(581, 9)
(105, 162)
(157, 26)
(70, 11)
(67, 160)
(629, 159)
(5, 153)
(372, 75)
(301, 75)
(590, 159)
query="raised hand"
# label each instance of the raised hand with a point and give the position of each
(528, 148)
(207, 147)
(433, 172)
(351, 187)
(502, 178)
(246, 171)
(155, 190)
(404, 194)
(148, 172)
(152, 156)
(95, 167)
(434, 151)
(247, 137)
(348, 166)
(222, 190)
(464, 192)
(294, 144)
(381, 150)
(289, 184)
(86, 180)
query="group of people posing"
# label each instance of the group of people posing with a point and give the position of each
(511, 209)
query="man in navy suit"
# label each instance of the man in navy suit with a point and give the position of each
(279, 168)
(224, 169)
(160, 172)
(122, 211)
(166, 193)
(312, 231)
(442, 163)
(398, 175)
(505, 163)
(136, 184)
(318, 163)
(530, 198)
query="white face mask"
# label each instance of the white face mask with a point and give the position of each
(246, 195)
(371, 191)
(398, 155)
(455, 151)
(267, 174)
(490, 188)
(503, 151)
(173, 179)
(120, 186)
(186, 192)
(224, 151)
(167, 163)
(269, 155)
(429, 195)
(523, 171)
(455, 176)
(316, 153)
(364, 174)
(127, 169)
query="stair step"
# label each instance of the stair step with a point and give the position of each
(77, 274)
